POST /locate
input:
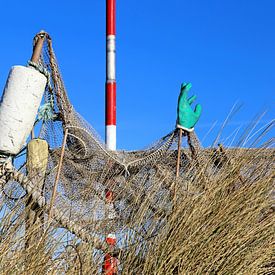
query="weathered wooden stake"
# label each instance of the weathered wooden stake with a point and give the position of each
(37, 161)
(174, 187)
(58, 174)
(179, 153)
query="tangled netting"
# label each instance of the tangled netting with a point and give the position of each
(174, 207)
(141, 183)
(89, 170)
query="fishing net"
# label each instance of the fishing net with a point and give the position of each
(89, 170)
(130, 193)
(139, 183)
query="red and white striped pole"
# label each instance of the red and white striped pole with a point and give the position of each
(110, 262)
(110, 120)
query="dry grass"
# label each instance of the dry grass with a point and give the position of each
(226, 229)
(222, 224)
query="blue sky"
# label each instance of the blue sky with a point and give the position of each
(225, 48)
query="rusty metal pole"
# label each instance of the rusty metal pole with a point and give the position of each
(58, 174)
(37, 48)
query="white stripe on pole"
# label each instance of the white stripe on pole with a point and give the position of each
(110, 137)
(111, 58)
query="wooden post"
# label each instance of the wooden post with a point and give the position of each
(57, 174)
(179, 153)
(174, 187)
(37, 161)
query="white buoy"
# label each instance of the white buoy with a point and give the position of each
(19, 106)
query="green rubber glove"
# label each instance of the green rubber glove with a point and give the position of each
(187, 118)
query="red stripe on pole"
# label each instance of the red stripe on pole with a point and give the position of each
(111, 17)
(111, 103)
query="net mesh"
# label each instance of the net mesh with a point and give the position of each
(143, 184)
(89, 170)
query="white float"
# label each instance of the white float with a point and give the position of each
(18, 107)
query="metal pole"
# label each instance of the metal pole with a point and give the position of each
(110, 262)
(37, 48)
(110, 87)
